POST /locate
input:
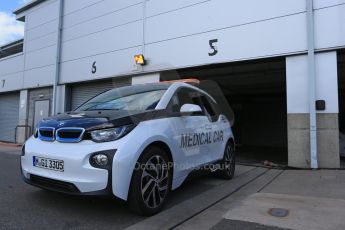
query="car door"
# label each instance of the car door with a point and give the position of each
(188, 128)
(215, 125)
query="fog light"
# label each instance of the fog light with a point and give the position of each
(101, 159)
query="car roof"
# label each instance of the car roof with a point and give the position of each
(140, 88)
(155, 86)
(146, 87)
(192, 86)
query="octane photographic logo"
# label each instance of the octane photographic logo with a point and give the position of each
(185, 166)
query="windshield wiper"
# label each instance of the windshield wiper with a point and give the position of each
(103, 109)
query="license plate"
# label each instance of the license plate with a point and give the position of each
(46, 163)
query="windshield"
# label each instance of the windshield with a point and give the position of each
(114, 100)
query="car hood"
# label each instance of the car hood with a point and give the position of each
(92, 120)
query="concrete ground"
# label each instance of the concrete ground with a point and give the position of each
(314, 200)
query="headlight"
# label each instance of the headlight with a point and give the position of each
(106, 135)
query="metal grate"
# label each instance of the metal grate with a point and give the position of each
(9, 116)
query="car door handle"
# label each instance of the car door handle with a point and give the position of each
(208, 127)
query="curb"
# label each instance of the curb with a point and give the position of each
(4, 144)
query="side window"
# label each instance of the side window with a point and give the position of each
(185, 96)
(174, 105)
(208, 106)
(197, 100)
(215, 107)
(181, 97)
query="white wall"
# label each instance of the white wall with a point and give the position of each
(330, 26)
(326, 82)
(11, 73)
(107, 32)
(147, 78)
(212, 15)
(11, 64)
(256, 40)
(176, 35)
(319, 4)
(41, 25)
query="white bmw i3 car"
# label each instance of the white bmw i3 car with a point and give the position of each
(137, 143)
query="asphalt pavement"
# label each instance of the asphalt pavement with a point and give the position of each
(25, 207)
(311, 200)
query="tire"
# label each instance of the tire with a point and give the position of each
(150, 185)
(228, 163)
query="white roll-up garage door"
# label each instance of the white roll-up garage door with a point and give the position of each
(85, 91)
(9, 116)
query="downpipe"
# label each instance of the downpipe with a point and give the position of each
(312, 85)
(58, 56)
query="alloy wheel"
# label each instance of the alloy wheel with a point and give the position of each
(229, 159)
(154, 181)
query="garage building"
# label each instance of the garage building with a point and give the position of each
(280, 65)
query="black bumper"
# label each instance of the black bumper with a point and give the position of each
(63, 187)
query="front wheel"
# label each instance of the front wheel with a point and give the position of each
(227, 164)
(151, 182)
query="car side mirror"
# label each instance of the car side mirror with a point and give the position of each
(190, 108)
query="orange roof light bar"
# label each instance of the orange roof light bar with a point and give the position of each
(189, 80)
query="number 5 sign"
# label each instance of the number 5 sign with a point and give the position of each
(213, 47)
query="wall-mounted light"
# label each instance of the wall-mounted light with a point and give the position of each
(320, 105)
(139, 59)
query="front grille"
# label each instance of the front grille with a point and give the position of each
(54, 185)
(69, 134)
(46, 133)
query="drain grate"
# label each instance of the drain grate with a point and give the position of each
(278, 212)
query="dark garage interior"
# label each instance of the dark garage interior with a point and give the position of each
(256, 91)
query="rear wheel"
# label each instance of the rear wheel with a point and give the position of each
(227, 164)
(151, 182)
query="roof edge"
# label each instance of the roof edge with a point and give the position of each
(11, 44)
(27, 6)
